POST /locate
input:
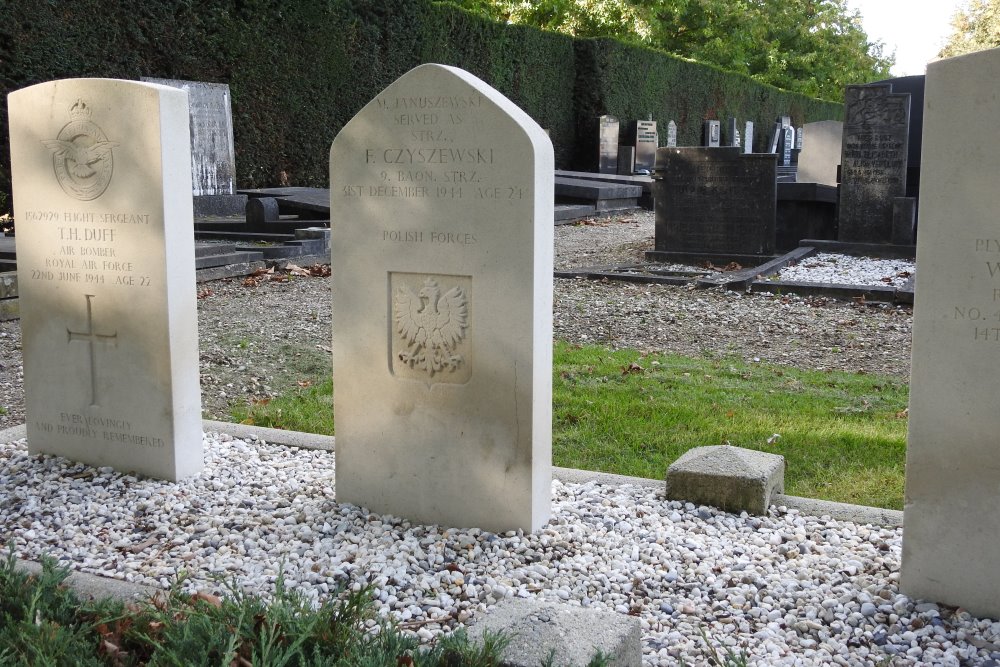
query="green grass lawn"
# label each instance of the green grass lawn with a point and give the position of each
(843, 435)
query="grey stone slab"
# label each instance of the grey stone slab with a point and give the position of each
(571, 635)
(565, 213)
(820, 154)
(92, 586)
(727, 477)
(206, 249)
(239, 257)
(579, 188)
(863, 293)
(228, 271)
(208, 206)
(645, 182)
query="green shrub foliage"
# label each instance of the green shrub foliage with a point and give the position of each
(300, 70)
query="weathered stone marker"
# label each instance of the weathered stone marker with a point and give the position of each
(441, 202)
(951, 531)
(873, 161)
(101, 174)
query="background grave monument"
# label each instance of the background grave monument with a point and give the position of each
(101, 175)
(607, 149)
(873, 161)
(443, 242)
(952, 529)
(711, 133)
(213, 150)
(714, 201)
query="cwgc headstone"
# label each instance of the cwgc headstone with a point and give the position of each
(873, 161)
(443, 241)
(951, 534)
(712, 136)
(821, 153)
(101, 174)
(748, 137)
(607, 160)
(715, 201)
(672, 134)
(213, 152)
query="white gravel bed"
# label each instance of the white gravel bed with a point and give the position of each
(829, 267)
(790, 589)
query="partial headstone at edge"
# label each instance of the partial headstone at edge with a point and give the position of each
(952, 528)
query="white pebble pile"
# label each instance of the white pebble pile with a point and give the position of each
(849, 270)
(789, 589)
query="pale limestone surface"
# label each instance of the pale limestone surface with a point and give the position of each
(732, 478)
(102, 195)
(821, 145)
(951, 537)
(442, 239)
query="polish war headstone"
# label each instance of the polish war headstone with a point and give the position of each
(101, 174)
(873, 161)
(442, 235)
(951, 536)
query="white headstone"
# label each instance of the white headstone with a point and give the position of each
(441, 197)
(101, 173)
(820, 154)
(951, 535)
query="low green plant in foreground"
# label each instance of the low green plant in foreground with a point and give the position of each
(843, 435)
(42, 622)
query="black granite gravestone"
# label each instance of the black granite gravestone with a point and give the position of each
(642, 137)
(873, 161)
(714, 201)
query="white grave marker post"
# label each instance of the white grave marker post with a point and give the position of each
(442, 233)
(951, 528)
(101, 173)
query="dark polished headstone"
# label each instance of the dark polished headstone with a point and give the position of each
(714, 200)
(914, 85)
(873, 161)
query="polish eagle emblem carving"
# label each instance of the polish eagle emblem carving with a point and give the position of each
(432, 325)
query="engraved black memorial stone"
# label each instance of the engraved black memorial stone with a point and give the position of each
(873, 161)
(714, 201)
(712, 132)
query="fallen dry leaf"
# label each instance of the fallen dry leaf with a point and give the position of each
(632, 369)
(205, 293)
(213, 600)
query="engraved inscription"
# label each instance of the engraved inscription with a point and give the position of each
(90, 337)
(429, 326)
(81, 155)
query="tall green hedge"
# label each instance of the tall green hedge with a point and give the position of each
(300, 70)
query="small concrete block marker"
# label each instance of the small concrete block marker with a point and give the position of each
(571, 635)
(727, 477)
(442, 239)
(101, 175)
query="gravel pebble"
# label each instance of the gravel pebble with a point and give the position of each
(674, 569)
